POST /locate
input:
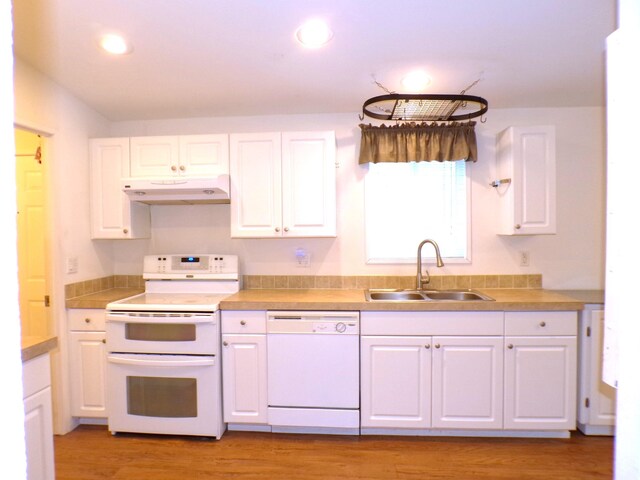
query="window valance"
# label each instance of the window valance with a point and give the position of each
(418, 142)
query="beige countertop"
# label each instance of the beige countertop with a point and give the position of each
(102, 298)
(333, 299)
(33, 347)
(585, 296)
(354, 299)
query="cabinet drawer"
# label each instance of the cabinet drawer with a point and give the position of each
(540, 323)
(88, 319)
(250, 321)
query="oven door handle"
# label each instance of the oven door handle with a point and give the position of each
(192, 319)
(188, 361)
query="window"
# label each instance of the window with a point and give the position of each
(408, 202)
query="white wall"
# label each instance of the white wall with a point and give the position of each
(574, 258)
(43, 106)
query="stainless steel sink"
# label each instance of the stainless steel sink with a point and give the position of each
(456, 295)
(394, 295)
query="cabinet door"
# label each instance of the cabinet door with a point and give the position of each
(395, 382)
(244, 378)
(154, 156)
(204, 155)
(602, 397)
(256, 185)
(88, 374)
(38, 432)
(112, 214)
(308, 184)
(526, 156)
(540, 383)
(467, 382)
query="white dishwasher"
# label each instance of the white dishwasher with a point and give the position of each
(313, 371)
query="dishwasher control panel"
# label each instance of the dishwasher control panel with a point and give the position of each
(330, 323)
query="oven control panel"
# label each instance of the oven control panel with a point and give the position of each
(190, 265)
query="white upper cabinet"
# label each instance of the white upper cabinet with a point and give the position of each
(283, 184)
(183, 156)
(526, 160)
(113, 216)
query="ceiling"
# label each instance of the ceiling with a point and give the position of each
(201, 58)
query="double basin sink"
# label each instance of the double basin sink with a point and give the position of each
(391, 295)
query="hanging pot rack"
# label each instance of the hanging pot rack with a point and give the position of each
(424, 107)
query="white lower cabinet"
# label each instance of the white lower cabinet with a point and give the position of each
(456, 371)
(38, 418)
(87, 362)
(596, 400)
(540, 370)
(244, 367)
(395, 382)
(467, 382)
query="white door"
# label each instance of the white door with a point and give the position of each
(87, 357)
(244, 378)
(308, 184)
(540, 383)
(256, 185)
(32, 245)
(204, 155)
(526, 156)
(112, 214)
(395, 382)
(154, 156)
(602, 397)
(467, 382)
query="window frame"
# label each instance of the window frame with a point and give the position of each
(428, 255)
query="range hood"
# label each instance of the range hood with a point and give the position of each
(177, 191)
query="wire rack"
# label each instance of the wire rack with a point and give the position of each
(425, 107)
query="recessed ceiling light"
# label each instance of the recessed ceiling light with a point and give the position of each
(115, 44)
(416, 81)
(314, 33)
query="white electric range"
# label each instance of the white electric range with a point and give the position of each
(163, 369)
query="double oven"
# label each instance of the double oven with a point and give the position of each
(163, 361)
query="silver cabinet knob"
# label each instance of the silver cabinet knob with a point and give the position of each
(277, 229)
(104, 340)
(437, 345)
(518, 226)
(182, 168)
(226, 344)
(173, 168)
(87, 320)
(125, 230)
(543, 324)
(286, 229)
(243, 322)
(427, 346)
(510, 346)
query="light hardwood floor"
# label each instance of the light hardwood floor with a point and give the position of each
(92, 453)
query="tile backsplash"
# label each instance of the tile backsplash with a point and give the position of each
(385, 281)
(87, 287)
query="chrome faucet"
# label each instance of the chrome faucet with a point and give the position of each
(419, 281)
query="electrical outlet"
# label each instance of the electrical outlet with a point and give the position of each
(524, 258)
(303, 258)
